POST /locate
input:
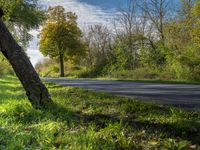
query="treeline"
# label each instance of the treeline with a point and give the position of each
(152, 39)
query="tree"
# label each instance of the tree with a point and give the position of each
(183, 30)
(98, 39)
(196, 23)
(132, 32)
(60, 36)
(157, 13)
(181, 34)
(36, 91)
(20, 17)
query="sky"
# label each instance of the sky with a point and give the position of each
(89, 12)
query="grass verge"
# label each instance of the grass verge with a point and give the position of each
(81, 119)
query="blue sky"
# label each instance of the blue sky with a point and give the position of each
(89, 12)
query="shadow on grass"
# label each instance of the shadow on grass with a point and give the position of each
(8, 93)
(6, 82)
(10, 89)
(182, 129)
(4, 139)
(7, 87)
(186, 130)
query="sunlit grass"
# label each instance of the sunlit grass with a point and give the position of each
(82, 119)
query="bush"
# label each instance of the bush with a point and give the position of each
(185, 66)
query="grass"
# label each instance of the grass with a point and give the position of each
(81, 119)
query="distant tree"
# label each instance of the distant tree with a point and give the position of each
(156, 15)
(60, 36)
(98, 39)
(183, 30)
(130, 37)
(196, 23)
(37, 93)
(157, 12)
(181, 39)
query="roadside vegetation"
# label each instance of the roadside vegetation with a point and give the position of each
(81, 119)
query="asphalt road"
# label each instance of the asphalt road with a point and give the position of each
(180, 95)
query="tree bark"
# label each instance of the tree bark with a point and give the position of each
(62, 72)
(36, 91)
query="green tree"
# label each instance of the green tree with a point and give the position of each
(196, 23)
(60, 36)
(21, 16)
(182, 41)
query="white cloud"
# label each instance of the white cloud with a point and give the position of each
(87, 14)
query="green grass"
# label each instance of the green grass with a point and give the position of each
(85, 120)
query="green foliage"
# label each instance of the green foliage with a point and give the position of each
(122, 56)
(196, 23)
(183, 53)
(190, 61)
(21, 16)
(153, 58)
(91, 73)
(61, 37)
(82, 119)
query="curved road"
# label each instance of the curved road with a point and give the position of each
(181, 95)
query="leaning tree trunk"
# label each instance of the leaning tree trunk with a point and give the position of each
(35, 90)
